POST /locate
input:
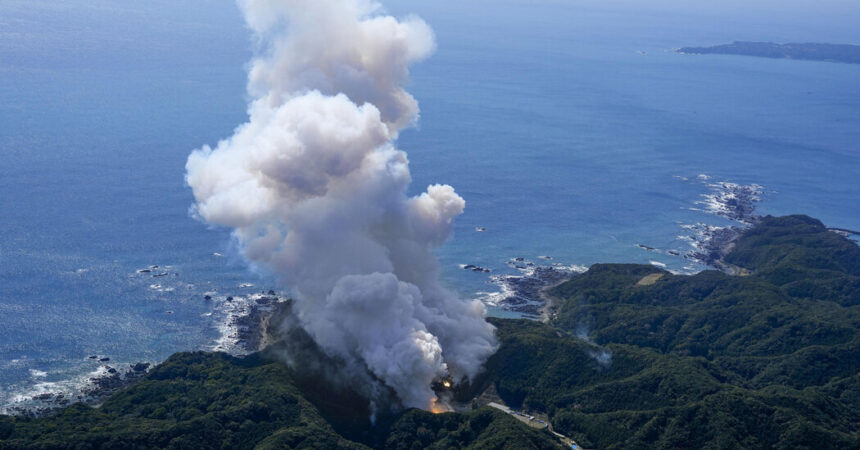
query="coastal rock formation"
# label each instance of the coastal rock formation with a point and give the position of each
(524, 293)
(245, 330)
(104, 382)
(636, 357)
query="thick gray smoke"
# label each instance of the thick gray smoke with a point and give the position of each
(315, 190)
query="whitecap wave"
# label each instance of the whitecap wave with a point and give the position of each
(241, 322)
(524, 293)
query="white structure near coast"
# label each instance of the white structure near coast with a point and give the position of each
(534, 422)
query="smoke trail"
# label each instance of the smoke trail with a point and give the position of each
(316, 192)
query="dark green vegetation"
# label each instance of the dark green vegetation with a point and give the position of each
(796, 254)
(809, 51)
(769, 360)
(211, 400)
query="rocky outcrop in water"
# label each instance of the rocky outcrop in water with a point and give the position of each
(95, 390)
(245, 330)
(710, 243)
(524, 293)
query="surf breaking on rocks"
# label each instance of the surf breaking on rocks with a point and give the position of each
(709, 243)
(315, 191)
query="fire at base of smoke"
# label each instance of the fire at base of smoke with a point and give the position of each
(315, 190)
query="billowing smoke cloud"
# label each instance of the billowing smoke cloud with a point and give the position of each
(316, 192)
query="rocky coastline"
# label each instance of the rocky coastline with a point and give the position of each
(243, 331)
(245, 319)
(525, 293)
(104, 382)
(711, 243)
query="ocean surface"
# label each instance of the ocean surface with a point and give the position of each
(571, 129)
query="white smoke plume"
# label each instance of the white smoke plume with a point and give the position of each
(315, 190)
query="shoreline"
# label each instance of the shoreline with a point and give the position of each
(246, 317)
(551, 302)
(243, 331)
(527, 294)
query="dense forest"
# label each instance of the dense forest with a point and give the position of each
(212, 400)
(769, 360)
(632, 357)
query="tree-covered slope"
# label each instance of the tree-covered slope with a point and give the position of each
(484, 428)
(708, 360)
(646, 398)
(633, 357)
(798, 254)
(211, 400)
(192, 400)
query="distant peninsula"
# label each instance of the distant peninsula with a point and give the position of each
(843, 53)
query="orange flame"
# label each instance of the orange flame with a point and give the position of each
(437, 407)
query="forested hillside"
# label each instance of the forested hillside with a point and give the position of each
(211, 400)
(766, 360)
(633, 357)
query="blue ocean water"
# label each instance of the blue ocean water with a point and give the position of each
(568, 127)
